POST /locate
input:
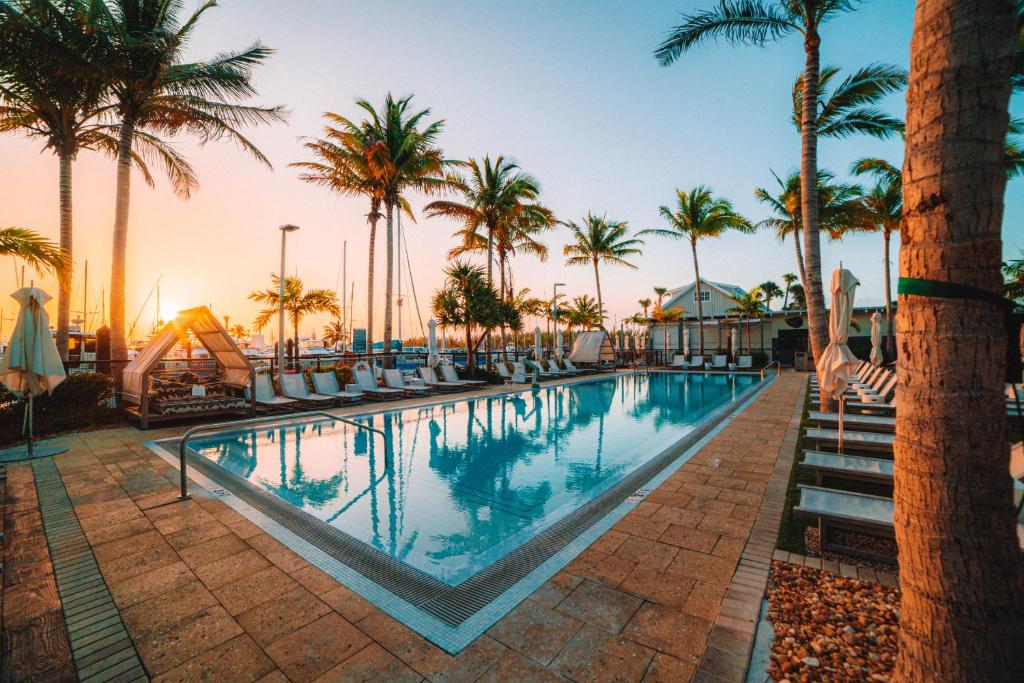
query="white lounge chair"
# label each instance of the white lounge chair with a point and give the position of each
(745, 362)
(366, 381)
(430, 379)
(696, 363)
(719, 362)
(531, 367)
(513, 376)
(265, 396)
(858, 441)
(678, 361)
(868, 423)
(294, 386)
(572, 368)
(449, 374)
(555, 370)
(393, 380)
(326, 383)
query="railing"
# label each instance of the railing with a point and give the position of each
(182, 449)
(778, 367)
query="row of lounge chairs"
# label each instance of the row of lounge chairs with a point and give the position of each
(868, 436)
(523, 371)
(717, 363)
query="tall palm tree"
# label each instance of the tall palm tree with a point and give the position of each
(698, 215)
(750, 305)
(51, 89)
(345, 162)
(839, 210)
(769, 290)
(961, 573)
(645, 304)
(34, 249)
(758, 22)
(660, 292)
(788, 280)
(409, 160)
(154, 91)
(851, 106)
(499, 214)
(468, 301)
(298, 304)
(884, 213)
(599, 240)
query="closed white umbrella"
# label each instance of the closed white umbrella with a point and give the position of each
(734, 340)
(876, 339)
(432, 358)
(685, 342)
(538, 352)
(32, 366)
(558, 345)
(837, 361)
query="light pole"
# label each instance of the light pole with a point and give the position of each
(554, 314)
(285, 229)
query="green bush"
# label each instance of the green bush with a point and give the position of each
(480, 373)
(759, 359)
(82, 401)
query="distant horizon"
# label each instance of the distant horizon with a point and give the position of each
(572, 92)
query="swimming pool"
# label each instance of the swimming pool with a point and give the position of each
(481, 492)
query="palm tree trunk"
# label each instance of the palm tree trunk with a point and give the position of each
(700, 304)
(66, 236)
(490, 283)
(119, 258)
(470, 351)
(817, 323)
(799, 260)
(501, 270)
(890, 339)
(600, 301)
(389, 281)
(961, 572)
(374, 217)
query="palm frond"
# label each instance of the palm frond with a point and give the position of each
(750, 22)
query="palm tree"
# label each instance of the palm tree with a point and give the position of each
(239, 332)
(660, 292)
(346, 163)
(850, 108)
(839, 210)
(334, 334)
(698, 215)
(500, 214)
(884, 206)
(468, 301)
(34, 249)
(1013, 272)
(769, 290)
(758, 22)
(51, 89)
(584, 312)
(600, 240)
(154, 91)
(298, 304)
(527, 305)
(788, 280)
(961, 577)
(408, 160)
(750, 305)
(645, 304)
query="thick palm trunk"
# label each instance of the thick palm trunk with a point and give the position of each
(600, 301)
(890, 338)
(700, 304)
(64, 295)
(369, 279)
(119, 257)
(961, 572)
(389, 282)
(817, 322)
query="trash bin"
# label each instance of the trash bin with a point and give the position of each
(800, 361)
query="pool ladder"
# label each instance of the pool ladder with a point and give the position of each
(777, 365)
(182, 445)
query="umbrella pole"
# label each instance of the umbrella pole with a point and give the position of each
(842, 402)
(28, 419)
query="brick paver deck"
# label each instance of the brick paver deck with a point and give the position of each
(205, 594)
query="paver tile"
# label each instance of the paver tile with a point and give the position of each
(255, 589)
(167, 609)
(595, 655)
(535, 630)
(515, 667)
(669, 630)
(370, 665)
(238, 659)
(596, 604)
(269, 621)
(167, 648)
(317, 647)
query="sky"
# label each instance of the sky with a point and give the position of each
(570, 90)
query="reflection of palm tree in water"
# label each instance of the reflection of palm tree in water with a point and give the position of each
(297, 489)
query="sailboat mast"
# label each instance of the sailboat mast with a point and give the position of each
(398, 245)
(344, 292)
(85, 299)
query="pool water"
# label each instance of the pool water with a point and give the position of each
(474, 478)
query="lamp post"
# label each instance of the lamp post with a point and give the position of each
(285, 229)
(554, 314)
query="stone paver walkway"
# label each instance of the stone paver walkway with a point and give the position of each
(207, 595)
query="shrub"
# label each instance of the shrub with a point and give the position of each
(480, 373)
(82, 401)
(759, 359)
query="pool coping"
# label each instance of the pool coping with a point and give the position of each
(454, 637)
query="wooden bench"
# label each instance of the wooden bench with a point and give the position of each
(850, 512)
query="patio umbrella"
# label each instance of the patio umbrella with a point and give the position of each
(432, 357)
(876, 339)
(837, 361)
(32, 365)
(558, 345)
(734, 339)
(538, 352)
(685, 341)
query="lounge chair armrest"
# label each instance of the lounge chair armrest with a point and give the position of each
(353, 387)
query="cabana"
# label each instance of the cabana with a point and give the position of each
(158, 394)
(594, 347)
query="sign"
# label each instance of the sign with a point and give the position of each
(359, 340)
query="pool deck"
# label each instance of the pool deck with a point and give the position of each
(130, 587)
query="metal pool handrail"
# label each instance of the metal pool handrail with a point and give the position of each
(775, 363)
(184, 494)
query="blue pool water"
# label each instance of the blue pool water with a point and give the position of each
(474, 478)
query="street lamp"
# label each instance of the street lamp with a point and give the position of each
(285, 229)
(554, 314)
